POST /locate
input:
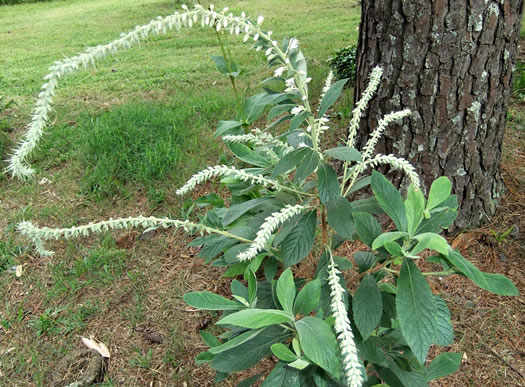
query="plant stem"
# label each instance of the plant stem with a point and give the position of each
(323, 223)
(372, 270)
(232, 78)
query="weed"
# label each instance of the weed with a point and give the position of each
(519, 80)
(142, 360)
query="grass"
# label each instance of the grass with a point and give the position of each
(125, 135)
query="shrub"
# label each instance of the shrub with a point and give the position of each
(344, 62)
(287, 204)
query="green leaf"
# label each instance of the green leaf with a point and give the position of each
(416, 310)
(210, 301)
(389, 200)
(222, 66)
(494, 283)
(299, 364)
(367, 306)
(290, 161)
(248, 382)
(249, 275)
(250, 352)
(443, 365)
(367, 227)
(236, 341)
(414, 207)
(256, 318)
(249, 156)
(327, 183)
(286, 290)
(339, 216)
(499, 284)
(299, 119)
(209, 339)
(203, 357)
(237, 210)
(319, 344)
(282, 376)
(343, 153)
(235, 270)
(360, 183)
(439, 192)
(331, 96)
(365, 260)
(388, 237)
(308, 298)
(307, 166)
(224, 127)
(300, 241)
(430, 241)
(444, 331)
(279, 109)
(283, 353)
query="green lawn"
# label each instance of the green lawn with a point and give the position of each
(124, 135)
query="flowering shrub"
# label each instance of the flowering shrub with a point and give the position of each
(287, 203)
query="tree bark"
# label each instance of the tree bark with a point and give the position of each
(450, 62)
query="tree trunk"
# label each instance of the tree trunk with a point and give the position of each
(450, 62)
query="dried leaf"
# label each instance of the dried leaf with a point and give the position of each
(18, 271)
(98, 346)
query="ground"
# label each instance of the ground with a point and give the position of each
(126, 289)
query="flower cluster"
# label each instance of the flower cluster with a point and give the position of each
(361, 105)
(271, 223)
(39, 234)
(224, 170)
(351, 364)
(395, 163)
(259, 138)
(17, 165)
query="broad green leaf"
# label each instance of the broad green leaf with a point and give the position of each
(331, 96)
(367, 306)
(204, 357)
(209, 339)
(237, 210)
(319, 344)
(360, 183)
(308, 298)
(256, 318)
(388, 237)
(270, 268)
(441, 219)
(307, 165)
(369, 205)
(286, 290)
(250, 352)
(222, 66)
(300, 241)
(389, 200)
(367, 227)
(249, 156)
(327, 183)
(290, 161)
(224, 127)
(416, 310)
(249, 275)
(394, 249)
(235, 270)
(443, 365)
(396, 376)
(414, 207)
(254, 106)
(248, 382)
(339, 216)
(283, 353)
(279, 109)
(444, 331)
(343, 153)
(499, 284)
(299, 364)
(430, 241)
(210, 301)
(365, 260)
(439, 192)
(282, 376)
(236, 341)
(299, 119)
(238, 289)
(494, 283)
